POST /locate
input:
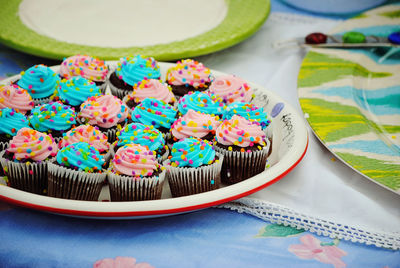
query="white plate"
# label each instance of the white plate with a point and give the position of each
(290, 141)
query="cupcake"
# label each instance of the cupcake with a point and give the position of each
(40, 81)
(105, 111)
(76, 173)
(147, 136)
(131, 71)
(193, 167)
(89, 134)
(195, 124)
(231, 89)
(135, 174)
(75, 91)
(153, 112)
(13, 96)
(25, 160)
(151, 88)
(188, 75)
(245, 149)
(53, 118)
(249, 111)
(200, 102)
(87, 67)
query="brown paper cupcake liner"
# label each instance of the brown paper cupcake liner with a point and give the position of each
(126, 188)
(185, 181)
(239, 166)
(73, 184)
(30, 177)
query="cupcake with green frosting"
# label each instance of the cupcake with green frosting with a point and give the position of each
(77, 173)
(193, 167)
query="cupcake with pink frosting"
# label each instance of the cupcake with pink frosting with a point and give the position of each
(231, 89)
(188, 75)
(105, 111)
(135, 174)
(150, 88)
(245, 149)
(87, 67)
(195, 124)
(13, 96)
(25, 160)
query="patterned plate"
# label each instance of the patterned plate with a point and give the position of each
(243, 18)
(351, 98)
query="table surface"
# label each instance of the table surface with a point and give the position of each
(217, 237)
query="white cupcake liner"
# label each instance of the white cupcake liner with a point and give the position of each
(127, 188)
(42, 101)
(73, 184)
(185, 181)
(30, 177)
(239, 166)
(3, 146)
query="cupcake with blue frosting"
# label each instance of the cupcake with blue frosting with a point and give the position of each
(193, 167)
(130, 71)
(201, 102)
(77, 173)
(10, 122)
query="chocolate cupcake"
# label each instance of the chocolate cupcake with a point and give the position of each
(107, 112)
(201, 102)
(151, 88)
(77, 173)
(87, 67)
(135, 174)
(193, 167)
(25, 160)
(231, 89)
(53, 118)
(245, 149)
(130, 71)
(12, 96)
(188, 75)
(40, 81)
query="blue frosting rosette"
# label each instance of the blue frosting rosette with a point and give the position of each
(249, 111)
(12, 121)
(135, 69)
(153, 112)
(200, 102)
(76, 90)
(192, 152)
(39, 80)
(140, 134)
(81, 156)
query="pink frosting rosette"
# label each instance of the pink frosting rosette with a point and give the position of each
(195, 124)
(85, 66)
(13, 96)
(104, 111)
(231, 89)
(86, 133)
(189, 72)
(32, 144)
(134, 160)
(151, 88)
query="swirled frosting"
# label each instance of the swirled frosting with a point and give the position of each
(52, 116)
(195, 124)
(138, 133)
(12, 121)
(32, 144)
(231, 88)
(85, 66)
(13, 96)
(200, 102)
(135, 69)
(81, 156)
(104, 111)
(39, 80)
(155, 113)
(190, 73)
(135, 160)
(191, 152)
(240, 132)
(76, 90)
(249, 111)
(86, 133)
(151, 88)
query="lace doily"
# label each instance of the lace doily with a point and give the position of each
(282, 215)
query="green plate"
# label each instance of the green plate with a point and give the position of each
(351, 98)
(244, 17)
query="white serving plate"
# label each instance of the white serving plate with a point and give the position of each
(289, 145)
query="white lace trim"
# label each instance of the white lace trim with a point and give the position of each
(282, 215)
